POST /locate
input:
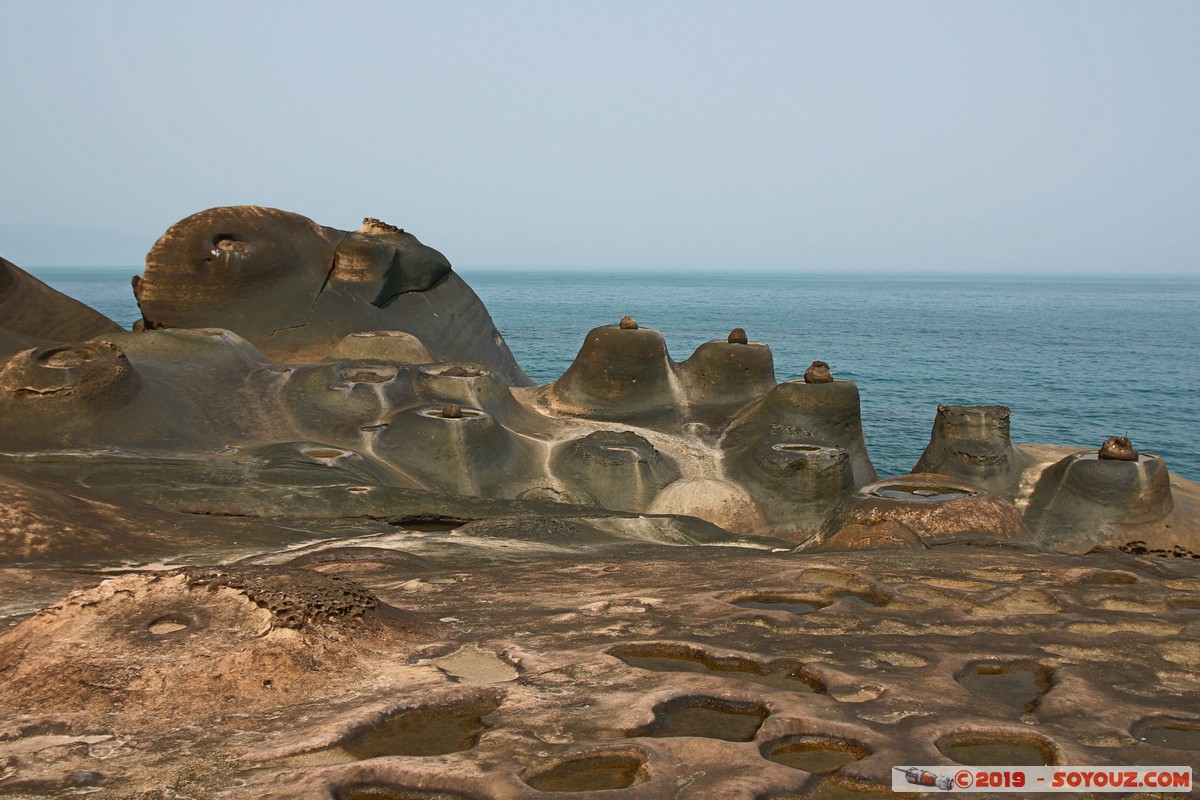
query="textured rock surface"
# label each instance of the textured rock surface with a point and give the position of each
(295, 288)
(668, 670)
(30, 310)
(974, 444)
(310, 535)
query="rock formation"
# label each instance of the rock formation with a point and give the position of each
(310, 533)
(296, 289)
(32, 313)
(973, 443)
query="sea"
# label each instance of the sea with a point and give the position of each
(1076, 359)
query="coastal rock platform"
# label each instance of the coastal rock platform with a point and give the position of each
(309, 532)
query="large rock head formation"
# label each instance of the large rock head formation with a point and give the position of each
(296, 289)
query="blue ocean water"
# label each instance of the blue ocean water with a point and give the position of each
(1077, 360)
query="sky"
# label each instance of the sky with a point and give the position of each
(1016, 137)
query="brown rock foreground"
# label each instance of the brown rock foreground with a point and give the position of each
(688, 672)
(310, 534)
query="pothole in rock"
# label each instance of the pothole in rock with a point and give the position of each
(168, 624)
(428, 523)
(706, 717)
(1017, 684)
(325, 453)
(817, 754)
(789, 675)
(415, 732)
(1186, 605)
(1176, 734)
(379, 791)
(997, 750)
(925, 494)
(592, 772)
(799, 604)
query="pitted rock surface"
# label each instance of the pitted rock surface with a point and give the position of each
(294, 597)
(415, 576)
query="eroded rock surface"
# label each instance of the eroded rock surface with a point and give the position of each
(310, 534)
(669, 672)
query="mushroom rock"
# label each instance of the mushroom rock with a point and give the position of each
(618, 469)
(936, 509)
(470, 453)
(1087, 499)
(824, 414)
(973, 444)
(297, 289)
(794, 483)
(49, 395)
(621, 374)
(342, 401)
(31, 308)
(474, 385)
(723, 376)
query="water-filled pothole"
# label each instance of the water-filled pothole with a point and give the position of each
(597, 771)
(378, 791)
(1177, 734)
(413, 732)
(1018, 684)
(791, 603)
(789, 675)
(817, 754)
(325, 453)
(167, 624)
(706, 717)
(927, 494)
(996, 750)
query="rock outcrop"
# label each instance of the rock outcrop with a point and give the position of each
(309, 533)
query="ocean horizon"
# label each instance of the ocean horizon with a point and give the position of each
(1078, 359)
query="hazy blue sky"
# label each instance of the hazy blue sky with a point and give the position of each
(1029, 137)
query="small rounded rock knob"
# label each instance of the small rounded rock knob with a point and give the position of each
(818, 373)
(1118, 448)
(738, 336)
(628, 323)
(452, 411)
